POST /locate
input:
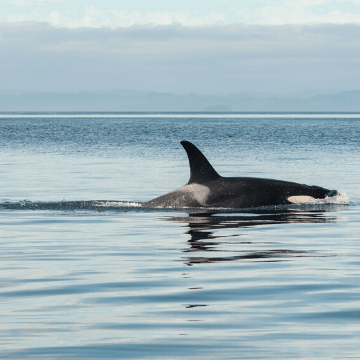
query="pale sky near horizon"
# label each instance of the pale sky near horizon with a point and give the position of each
(210, 47)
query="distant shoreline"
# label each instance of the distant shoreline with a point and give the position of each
(131, 101)
(179, 115)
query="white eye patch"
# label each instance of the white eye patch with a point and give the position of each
(300, 199)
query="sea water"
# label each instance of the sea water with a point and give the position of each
(87, 273)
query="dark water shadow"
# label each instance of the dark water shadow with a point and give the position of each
(205, 235)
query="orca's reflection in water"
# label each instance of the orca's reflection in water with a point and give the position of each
(206, 235)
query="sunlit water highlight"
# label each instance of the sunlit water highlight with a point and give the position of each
(88, 273)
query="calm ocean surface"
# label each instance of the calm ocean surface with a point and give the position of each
(87, 273)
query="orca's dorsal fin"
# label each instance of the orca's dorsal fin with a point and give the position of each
(200, 169)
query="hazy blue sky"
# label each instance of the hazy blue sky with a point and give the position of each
(213, 46)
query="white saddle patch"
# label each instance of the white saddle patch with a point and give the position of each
(301, 199)
(199, 192)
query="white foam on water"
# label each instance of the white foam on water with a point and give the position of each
(79, 205)
(340, 199)
(118, 204)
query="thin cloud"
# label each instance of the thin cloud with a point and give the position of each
(96, 18)
(28, 2)
(269, 13)
(20, 2)
(303, 12)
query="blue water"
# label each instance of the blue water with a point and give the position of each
(87, 273)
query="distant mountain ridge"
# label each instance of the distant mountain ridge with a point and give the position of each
(132, 100)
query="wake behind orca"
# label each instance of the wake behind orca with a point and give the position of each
(207, 189)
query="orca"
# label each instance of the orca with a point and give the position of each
(207, 189)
